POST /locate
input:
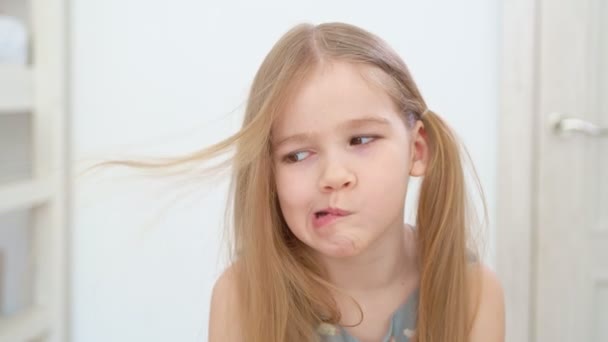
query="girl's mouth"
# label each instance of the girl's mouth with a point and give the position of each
(323, 218)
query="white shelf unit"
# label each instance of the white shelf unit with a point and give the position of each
(25, 194)
(15, 89)
(32, 324)
(35, 96)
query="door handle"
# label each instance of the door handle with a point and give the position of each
(567, 126)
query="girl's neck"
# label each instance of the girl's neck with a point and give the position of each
(389, 262)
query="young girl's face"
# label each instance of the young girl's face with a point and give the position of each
(350, 150)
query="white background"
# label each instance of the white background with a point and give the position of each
(171, 76)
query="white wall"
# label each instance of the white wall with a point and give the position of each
(147, 71)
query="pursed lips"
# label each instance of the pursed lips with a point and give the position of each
(326, 216)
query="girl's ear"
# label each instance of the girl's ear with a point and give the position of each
(419, 150)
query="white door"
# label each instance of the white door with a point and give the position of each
(571, 246)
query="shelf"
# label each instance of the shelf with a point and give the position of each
(25, 326)
(16, 88)
(24, 194)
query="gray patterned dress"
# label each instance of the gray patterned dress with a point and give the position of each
(403, 322)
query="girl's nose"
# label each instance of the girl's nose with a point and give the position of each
(336, 176)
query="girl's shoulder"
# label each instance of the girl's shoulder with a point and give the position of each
(224, 308)
(487, 308)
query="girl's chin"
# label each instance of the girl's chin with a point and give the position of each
(339, 249)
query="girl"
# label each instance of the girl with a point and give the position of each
(334, 128)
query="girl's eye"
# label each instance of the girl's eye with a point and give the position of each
(361, 138)
(292, 157)
(357, 140)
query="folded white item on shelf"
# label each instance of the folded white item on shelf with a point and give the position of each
(13, 41)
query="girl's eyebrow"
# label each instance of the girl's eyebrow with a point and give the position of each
(350, 124)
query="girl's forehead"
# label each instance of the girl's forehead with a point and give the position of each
(368, 121)
(331, 94)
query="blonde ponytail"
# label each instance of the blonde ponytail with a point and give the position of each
(442, 239)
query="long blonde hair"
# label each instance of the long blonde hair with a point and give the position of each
(282, 289)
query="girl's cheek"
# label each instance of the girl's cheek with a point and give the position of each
(289, 183)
